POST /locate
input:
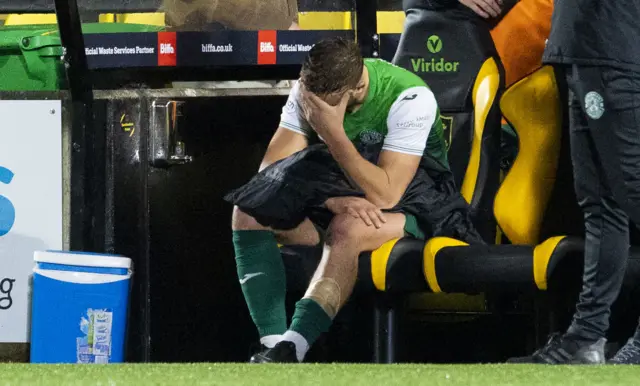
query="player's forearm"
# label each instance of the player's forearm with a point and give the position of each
(372, 179)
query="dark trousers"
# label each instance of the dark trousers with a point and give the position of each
(604, 108)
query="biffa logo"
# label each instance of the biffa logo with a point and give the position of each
(267, 47)
(167, 49)
(267, 43)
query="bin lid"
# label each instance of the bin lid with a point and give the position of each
(28, 37)
(82, 259)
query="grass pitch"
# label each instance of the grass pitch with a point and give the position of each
(300, 375)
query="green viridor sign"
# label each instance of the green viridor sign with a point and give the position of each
(437, 63)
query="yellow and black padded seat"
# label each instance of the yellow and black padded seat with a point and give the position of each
(458, 60)
(533, 108)
(522, 264)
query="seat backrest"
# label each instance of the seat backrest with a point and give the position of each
(457, 59)
(532, 106)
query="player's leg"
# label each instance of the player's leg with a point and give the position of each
(261, 271)
(332, 282)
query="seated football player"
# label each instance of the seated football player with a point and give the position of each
(360, 159)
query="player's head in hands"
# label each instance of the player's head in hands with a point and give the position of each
(333, 67)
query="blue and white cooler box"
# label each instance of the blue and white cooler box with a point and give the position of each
(79, 307)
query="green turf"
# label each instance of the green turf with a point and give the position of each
(332, 375)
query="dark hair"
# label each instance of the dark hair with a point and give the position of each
(333, 65)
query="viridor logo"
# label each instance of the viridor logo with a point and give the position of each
(434, 44)
(434, 64)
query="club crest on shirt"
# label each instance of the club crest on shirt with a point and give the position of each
(594, 105)
(370, 137)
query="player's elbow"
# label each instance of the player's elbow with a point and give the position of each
(384, 201)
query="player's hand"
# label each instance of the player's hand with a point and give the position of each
(484, 8)
(326, 120)
(357, 207)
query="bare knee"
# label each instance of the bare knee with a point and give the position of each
(353, 235)
(346, 231)
(305, 234)
(240, 221)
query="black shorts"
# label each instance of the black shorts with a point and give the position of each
(287, 192)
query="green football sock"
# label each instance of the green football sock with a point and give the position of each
(310, 320)
(262, 277)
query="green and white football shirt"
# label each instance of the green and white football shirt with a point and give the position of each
(400, 110)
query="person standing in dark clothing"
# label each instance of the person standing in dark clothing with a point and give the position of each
(595, 44)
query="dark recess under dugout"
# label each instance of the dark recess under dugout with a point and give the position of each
(175, 225)
(187, 304)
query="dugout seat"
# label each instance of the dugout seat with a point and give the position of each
(459, 62)
(533, 108)
(472, 103)
(508, 212)
(522, 260)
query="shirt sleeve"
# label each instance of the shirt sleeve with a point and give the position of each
(292, 117)
(410, 120)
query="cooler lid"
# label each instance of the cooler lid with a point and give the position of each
(82, 259)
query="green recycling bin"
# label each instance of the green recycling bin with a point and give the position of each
(30, 56)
